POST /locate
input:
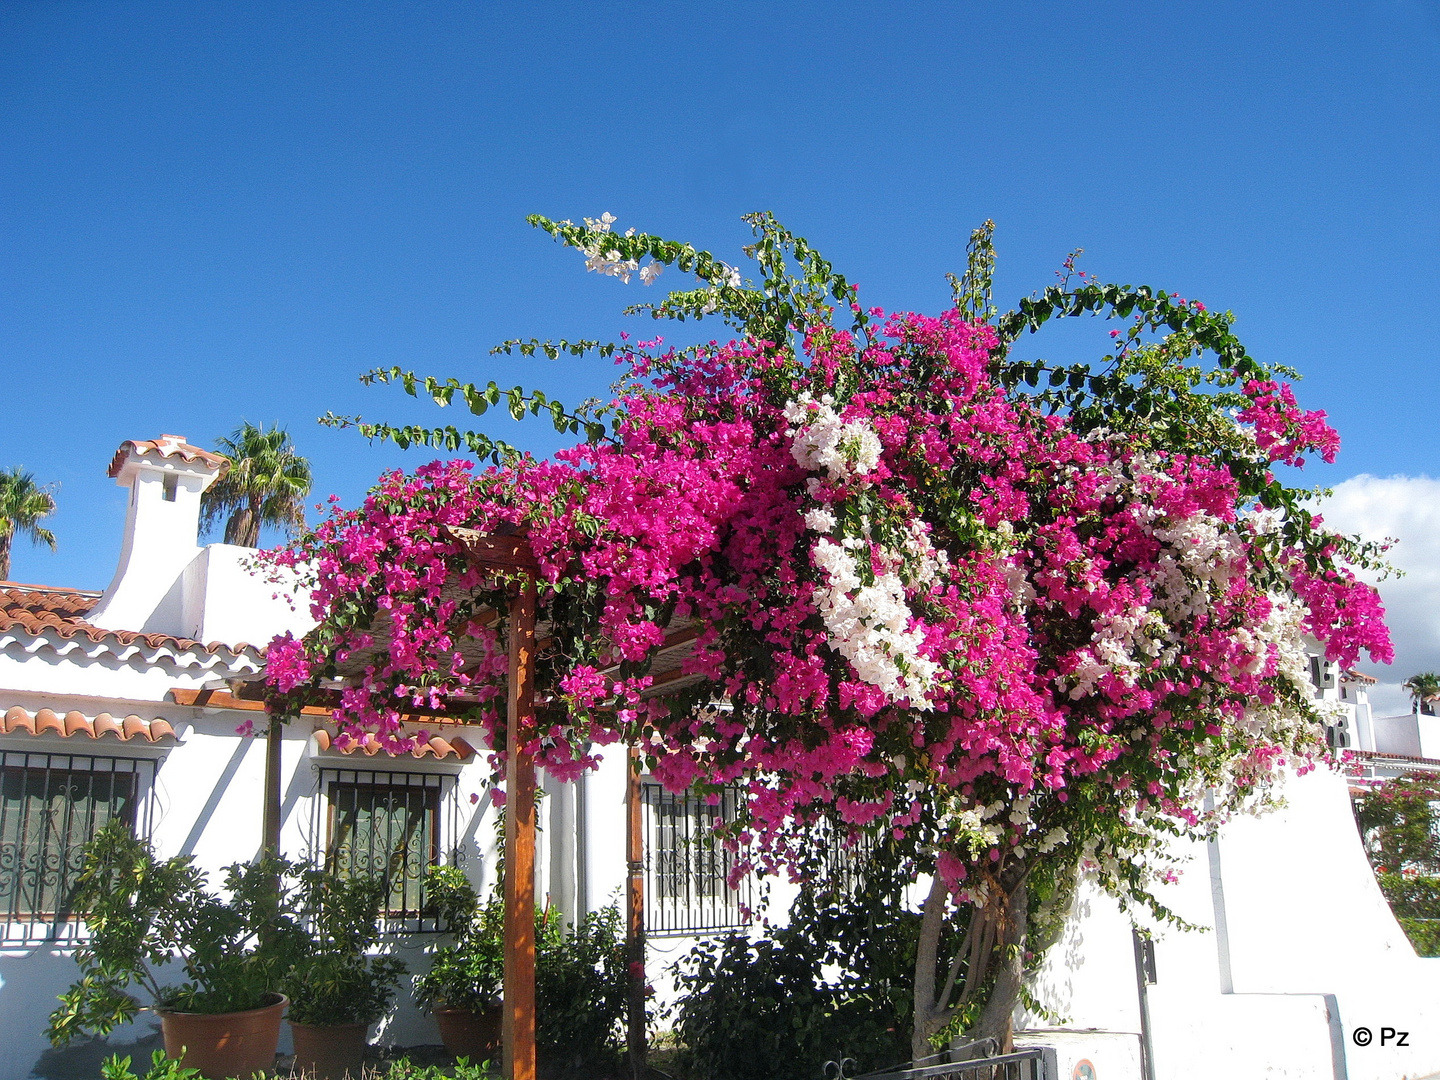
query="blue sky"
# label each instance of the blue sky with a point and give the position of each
(216, 211)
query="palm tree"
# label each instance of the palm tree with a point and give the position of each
(22, 505)
(266, 485)
(1424, 688)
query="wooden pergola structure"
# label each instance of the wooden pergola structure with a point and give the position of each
(510, 554)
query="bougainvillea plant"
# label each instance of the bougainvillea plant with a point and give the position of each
(1017, 618)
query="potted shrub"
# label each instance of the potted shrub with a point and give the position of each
(462, 989)
(336, 989)
(143, 914)
(581, 995)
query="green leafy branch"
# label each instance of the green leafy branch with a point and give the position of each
(479, 400)
(553, 349)
(803, 299)
(724, 295)
(448, 438)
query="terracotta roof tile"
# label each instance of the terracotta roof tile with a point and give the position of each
(73, 723)
(166, 446)
(325, 739)
(42, 609)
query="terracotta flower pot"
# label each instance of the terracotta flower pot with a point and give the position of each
(330, 1051)
(225, 1044)
(468, 1034)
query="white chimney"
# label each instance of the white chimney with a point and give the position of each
(162, 529)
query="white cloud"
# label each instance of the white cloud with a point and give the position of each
(1406, 508)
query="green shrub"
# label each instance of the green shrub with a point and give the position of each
(276, 927)
(1400, 823)
(835, 982)
(1424, 934)
(161, 1068)
(581, 979)
(333, 979)
(580, 975)
(469, 973)
(402, 1069)
(141, 913)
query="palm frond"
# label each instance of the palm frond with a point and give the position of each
(267, 484)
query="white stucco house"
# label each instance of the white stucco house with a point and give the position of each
(120, 704)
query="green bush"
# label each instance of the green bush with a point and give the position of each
(581, 979)
(835, 982)
(141, 913)
(163, 1068)
(469, 973)
(580, 975)
(333, 979)
(402, 1069)
(1400, 823)
(1424, 934)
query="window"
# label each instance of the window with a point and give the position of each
(51, 805)
(386, 826)
(842, 865)
(686, 868)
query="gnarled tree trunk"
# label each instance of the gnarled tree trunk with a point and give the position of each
(994, 942)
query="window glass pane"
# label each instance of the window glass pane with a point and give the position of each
(386, 832)
(47, 816)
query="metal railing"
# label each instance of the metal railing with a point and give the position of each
(1031, 1063)
(51, 807)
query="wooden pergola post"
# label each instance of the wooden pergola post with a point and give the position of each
(509, 552)
(271, 817)
(635, 915)
(518, 1022)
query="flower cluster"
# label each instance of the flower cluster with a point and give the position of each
(1284, 431)
(909, 598)
(601, 258)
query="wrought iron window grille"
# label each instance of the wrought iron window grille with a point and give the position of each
(687, 868)
(394, 825)
(51, 806)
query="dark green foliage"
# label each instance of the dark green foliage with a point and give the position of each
(161, 1068)
(581, 979)
(402, 1069)
(467, 974)
(580, 975)
(164, 1068)
(284, 928)
(837, 981)
(334, 980)
(1400, 821)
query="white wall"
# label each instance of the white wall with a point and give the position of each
(1296, 948)
(1409, 734)
(208, 804)
(229, 597)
